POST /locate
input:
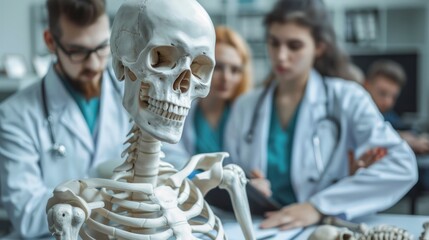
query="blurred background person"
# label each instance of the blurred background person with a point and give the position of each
(293, 136)
(384, 82)
(67, 124)
(205, 124)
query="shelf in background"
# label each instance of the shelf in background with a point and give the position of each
(9, 86)
(372, 3)
(396, 27)
(14, 84)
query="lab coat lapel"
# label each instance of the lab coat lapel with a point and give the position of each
(108, 115)
(311, 109)
(73, 119)
(64, 108)
(265, 119)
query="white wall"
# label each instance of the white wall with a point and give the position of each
(16, 24)
(15, 28)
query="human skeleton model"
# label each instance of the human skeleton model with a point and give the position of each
(337, 229)
(164, 49)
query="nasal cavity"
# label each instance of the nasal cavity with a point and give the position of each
(182, 82)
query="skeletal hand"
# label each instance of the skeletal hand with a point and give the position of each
(292, 216)
(368, 158)
(259, 182)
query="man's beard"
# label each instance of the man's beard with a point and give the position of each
(76, 83)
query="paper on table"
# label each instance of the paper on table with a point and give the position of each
(233, 230)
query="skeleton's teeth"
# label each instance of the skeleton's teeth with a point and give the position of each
(164, 109)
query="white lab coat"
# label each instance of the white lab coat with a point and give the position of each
(362, 127)
(28, 171)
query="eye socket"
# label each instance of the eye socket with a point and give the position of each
(164, 57)
(201, 67)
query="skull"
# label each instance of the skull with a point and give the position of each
(164, 49)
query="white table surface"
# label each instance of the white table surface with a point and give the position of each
(411, 223)
(233, 230)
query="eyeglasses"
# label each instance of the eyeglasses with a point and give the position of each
(81, 55)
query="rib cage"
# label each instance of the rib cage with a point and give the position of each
(120, 218)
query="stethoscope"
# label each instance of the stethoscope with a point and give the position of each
(329, 121)
(58, 149)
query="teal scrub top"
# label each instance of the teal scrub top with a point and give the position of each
(89, 108)
(209, 140)
(280, 144)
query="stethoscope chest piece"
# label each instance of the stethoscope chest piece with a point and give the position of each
(59, 150)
